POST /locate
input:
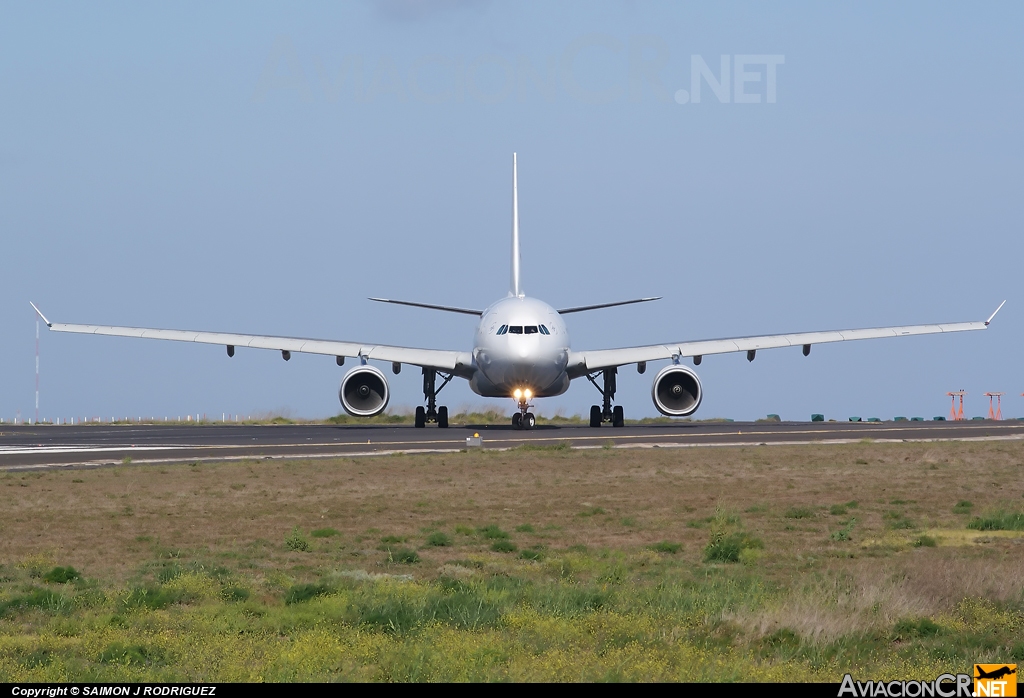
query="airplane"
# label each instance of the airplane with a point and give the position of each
(994, 674)
(521, 350)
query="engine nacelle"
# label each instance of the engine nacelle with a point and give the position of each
(364, 392)
(676, 391)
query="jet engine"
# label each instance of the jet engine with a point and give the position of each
(364, 392)
(676, 391)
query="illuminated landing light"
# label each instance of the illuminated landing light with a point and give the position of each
(527, 394)
(518, 393)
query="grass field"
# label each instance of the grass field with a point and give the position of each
(764, 563)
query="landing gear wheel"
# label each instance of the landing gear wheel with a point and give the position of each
(517, 420)
(605, 413)
(442, 417)
(421, 417)
(529, 420)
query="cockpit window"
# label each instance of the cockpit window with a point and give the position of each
(531, 329)
(544, 330)
(515, 329)
(503, 329)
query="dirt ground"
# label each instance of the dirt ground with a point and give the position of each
(109, 521)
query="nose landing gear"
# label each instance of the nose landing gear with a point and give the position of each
(606, 413)
(523, 419)
(432, 413)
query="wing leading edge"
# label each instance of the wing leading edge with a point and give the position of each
(451, 361)
(584, 361)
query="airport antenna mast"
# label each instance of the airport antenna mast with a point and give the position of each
(998, 412)
(954, 415)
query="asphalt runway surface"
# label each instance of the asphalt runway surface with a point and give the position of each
(45, 446)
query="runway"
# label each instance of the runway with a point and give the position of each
(43, 446)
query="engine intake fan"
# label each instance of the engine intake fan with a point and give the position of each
(364, 392)
(676, 391)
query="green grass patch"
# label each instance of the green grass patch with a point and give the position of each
(897, 521)
(439, 539)
(305, 592)
(799, 513)
(325, 533)
(504, 546)
(591, 511)
(844, 533)
(137, 655)
(560, 447)
(524, 528)
(492, 532)
(963, 507)
(62, 575)
(666, 547)
(404, 556)
(153, 597)
(296, 541)
(728, 547)
(998, 521)
(915, 628)
(42, 599)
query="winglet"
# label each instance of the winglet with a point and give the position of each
(50, 324)
(994, 314)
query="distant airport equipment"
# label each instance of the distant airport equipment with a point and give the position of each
(956, 415)
(817, 418)
(938, 419)
(520, 351)
(874, 419)
(917, 419)
(773, 418)
(899, 419)
(998, 413)
(854, 419)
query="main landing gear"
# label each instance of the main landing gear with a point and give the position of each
(432, 413)
(523, 419)
(606, 413)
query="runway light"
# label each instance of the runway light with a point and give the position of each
(527, 394)
(518, 393)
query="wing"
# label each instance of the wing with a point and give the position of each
(585, 361)
(457, 362)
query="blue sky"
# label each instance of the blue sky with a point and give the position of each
(264, 167)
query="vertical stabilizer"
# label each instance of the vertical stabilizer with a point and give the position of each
(515, 290)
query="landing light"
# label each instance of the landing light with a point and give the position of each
(518, 393)
(527, 394)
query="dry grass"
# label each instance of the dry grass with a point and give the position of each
(106, 520)
(616, 515)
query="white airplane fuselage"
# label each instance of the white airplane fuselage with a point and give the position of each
(521, 344)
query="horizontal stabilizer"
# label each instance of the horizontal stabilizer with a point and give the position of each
(430, 306)
(581, 308)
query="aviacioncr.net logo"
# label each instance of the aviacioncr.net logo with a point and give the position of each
(944, 686)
